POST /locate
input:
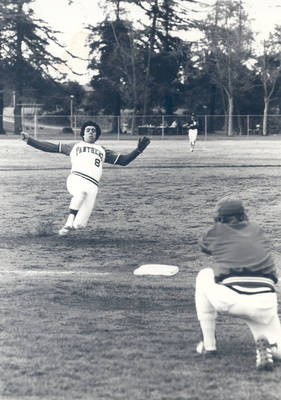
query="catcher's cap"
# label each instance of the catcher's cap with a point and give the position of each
(90, 123)
(229, 206)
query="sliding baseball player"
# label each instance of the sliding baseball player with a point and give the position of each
(87, 158)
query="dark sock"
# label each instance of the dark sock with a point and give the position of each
(74, 212)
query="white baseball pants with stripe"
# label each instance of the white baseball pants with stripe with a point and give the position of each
(192, 135)
(259, 311)
(84, 195)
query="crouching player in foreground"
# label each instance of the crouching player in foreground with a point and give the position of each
(241, 283)
(87, 160)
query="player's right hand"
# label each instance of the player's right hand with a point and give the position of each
(24, 136)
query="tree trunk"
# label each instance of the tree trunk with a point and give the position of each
(212, 107)
(19, 78)
(230, 115)
(2, 130)
(150, 50)
(133, 127)
(168, 103)
(116, 112)
(265, 114)
(17, 115)
(134, 87)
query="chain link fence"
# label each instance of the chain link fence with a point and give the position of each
(127, 125)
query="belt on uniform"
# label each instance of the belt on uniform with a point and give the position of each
(249, 284)
(89, 178)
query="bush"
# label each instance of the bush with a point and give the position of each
(67, 129)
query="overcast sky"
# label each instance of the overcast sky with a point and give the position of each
(71, 20)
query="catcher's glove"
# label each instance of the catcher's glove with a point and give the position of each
(143, 143)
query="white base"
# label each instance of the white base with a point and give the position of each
(156, 269)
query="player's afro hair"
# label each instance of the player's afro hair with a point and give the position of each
(90, 123)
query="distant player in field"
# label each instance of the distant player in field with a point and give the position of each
(241, 283)
(192, 127)
(87, 158)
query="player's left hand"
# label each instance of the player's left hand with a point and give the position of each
(143, 143)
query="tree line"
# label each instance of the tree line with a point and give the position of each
(148, 66)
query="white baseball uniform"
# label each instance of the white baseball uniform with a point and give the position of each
(86, 170)
(258, 310)
(193, 132)
(242, 281)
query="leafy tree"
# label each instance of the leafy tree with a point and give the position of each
(229, 40)
(162, 81)
(57, 97)
(113, 63)
(147, 61)
(165, 71)
(4, 54)
(269, 70)
(27, 39)
(202, 94)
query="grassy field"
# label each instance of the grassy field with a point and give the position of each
(77, 324)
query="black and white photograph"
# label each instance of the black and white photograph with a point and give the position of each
(140, 166)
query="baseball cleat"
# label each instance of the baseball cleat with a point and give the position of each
(65, 230)
(264, 359)
(276, 353)
(200, 349)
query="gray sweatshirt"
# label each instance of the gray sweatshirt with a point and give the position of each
(239, 249)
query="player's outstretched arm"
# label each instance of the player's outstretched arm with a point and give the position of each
(44, 146)
(125, 159)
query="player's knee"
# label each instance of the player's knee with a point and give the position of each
(80, 195)
(83, 195)
(205, 275)
(209, 315)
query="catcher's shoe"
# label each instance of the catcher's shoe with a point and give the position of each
(264, 360)
(200, 349)
(65, 230)
(276, 353)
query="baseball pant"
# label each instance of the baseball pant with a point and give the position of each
(259, 311)
(192, 135)
(84, 195)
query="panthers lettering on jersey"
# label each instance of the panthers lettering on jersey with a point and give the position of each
(87, 159)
